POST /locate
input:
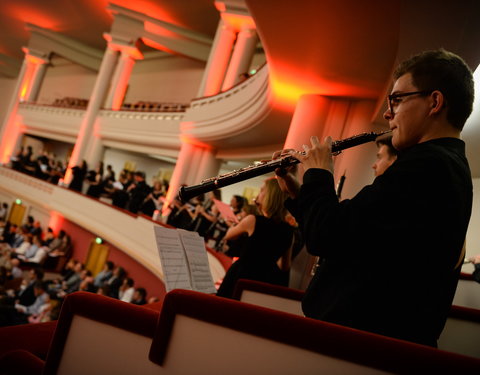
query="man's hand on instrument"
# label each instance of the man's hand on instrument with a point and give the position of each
(286, 177)
(319, 155)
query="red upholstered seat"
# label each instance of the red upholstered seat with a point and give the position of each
(205, 334)
(34, 338)
(460, 335)
(97, 334)
(268, 295)
(216, 335)
(20, 362)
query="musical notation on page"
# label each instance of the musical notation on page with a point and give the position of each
(184, 260)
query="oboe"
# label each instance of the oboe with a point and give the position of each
(262, 167)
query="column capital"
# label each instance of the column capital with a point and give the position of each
(35, 56)
(125, 46)
(235, 14)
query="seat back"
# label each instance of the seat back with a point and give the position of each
(460, 335)
(207, 334)
(468, 292)
(100, 335)
(462, 332)
(268, 295)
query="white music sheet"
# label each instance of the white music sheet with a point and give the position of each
(197, 259)
(172, 259)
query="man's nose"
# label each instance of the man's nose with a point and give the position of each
(388, 115)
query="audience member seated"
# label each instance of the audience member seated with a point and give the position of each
(139, 296)
(36, 253)
(37, 229)
(127, 290)
(28, 226)
(116, 281)
(35, 309)
(86, 285)
(26, 295)
(49, 237)
(69, 284)
(15, 271)
(104, 275)
(13, 236)
(27, 241)
(59, 253)
(104, 290)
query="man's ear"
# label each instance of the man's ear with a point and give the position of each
(437, 102)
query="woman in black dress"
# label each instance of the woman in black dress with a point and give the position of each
(269, 239)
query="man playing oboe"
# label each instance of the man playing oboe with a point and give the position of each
(391, 255)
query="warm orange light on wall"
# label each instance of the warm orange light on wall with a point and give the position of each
(56, 221)
(186, 139)
(288, 84)
(28, 13)
(238, 22)
(149, 8)
(27, 79)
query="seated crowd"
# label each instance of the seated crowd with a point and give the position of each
(154, 107)
(26, 296)
(70, 102)
(44, 166)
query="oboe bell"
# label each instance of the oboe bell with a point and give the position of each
(187, 192)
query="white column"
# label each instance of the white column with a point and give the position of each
(29, 75)
(310, 118)
(120, 79)
(36, 80)
(209, 166)
(242, 56)
(217, 60)
(180, 173)
(97, 97)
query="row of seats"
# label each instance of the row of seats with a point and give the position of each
(154, 107)
(460, 335)
(205, 334)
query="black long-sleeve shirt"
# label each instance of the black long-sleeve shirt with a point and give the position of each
(390, 255)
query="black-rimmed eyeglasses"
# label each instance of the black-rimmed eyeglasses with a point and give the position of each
(394, 99)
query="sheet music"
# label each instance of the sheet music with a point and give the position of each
(172, 258)
(226, 211)
(197, 259)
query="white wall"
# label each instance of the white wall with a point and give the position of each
(168, 78)
(7, 85)
(164, 79)
(66, 79)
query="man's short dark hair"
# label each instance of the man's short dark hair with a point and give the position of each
(39, 285)
(110, 265)
(444, 71)
(387, 141)
(142, 292)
